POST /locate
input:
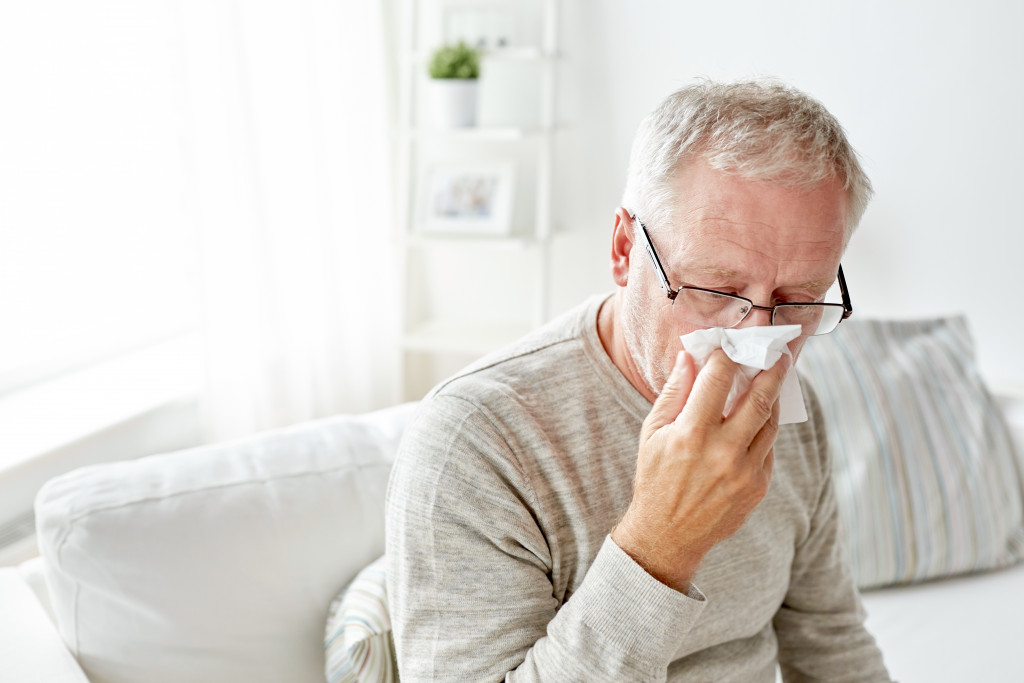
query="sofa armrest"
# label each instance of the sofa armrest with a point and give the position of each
(30, 647)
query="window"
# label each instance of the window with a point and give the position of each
(97, 246)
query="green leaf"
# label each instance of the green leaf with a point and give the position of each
(455, 61)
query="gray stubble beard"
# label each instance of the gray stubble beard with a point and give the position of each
(641, 340)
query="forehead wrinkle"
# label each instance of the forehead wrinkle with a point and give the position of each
(729, 274)
(809, 237)
(809, 234)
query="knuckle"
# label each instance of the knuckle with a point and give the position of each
(752, 482)
(677, 441)
(757, 483)
(719, 370)
(762, 404)
(668, 391)
(734, 488)
(718, 382)
(747, 487)
(723, 465)
(720, 465)
(692, 433)
(691, 430)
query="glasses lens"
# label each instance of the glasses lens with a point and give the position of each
(813, 318)
(708, 309)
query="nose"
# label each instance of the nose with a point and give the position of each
(758, 315)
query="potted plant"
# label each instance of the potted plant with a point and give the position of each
(454, 70)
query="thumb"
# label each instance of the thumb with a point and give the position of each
(673, 396)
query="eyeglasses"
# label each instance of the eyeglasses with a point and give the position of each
(709, 308)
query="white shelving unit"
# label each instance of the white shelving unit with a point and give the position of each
(468, 294)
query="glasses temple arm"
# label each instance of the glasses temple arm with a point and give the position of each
(847, 305)
(659, 271)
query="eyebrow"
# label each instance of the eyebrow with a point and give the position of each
(816, 284)
(732, 274)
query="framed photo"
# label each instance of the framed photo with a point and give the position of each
(469, 199)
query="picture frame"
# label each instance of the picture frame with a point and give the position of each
(468, 199)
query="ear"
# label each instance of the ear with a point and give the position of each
(622, 246)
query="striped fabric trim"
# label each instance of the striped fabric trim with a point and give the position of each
(358, 641)
(926, 478)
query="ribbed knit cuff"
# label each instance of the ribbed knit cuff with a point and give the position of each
(632, 610)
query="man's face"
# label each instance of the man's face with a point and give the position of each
(760, 240)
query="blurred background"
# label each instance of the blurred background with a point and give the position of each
(221, 217)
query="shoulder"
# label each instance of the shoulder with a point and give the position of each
(564, 334)
(525, 375)
(498, 416)
(476, 413)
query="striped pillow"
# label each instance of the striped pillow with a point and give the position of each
(358, 639)
(926, 478)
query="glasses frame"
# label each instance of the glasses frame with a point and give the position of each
(673, 293)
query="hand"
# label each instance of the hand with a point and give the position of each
(698, 476)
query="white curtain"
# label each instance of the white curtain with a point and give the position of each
(287, 142)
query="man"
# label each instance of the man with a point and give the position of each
(530, 538)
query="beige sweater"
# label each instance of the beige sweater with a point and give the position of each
(500, 567)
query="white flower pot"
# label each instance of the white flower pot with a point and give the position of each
(453, 102)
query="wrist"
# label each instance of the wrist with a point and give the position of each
(674, 569)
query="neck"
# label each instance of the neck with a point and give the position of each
(609, 330)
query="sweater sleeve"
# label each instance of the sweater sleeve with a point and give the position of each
(469, 573)
(820, 625)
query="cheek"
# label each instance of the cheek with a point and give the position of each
(681, 330)
(670, 329)
(653, 311)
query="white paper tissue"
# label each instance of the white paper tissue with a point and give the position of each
(755, 349)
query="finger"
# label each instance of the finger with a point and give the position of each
(755, 408)
(711, 389)
(761, 446)
(673, 395)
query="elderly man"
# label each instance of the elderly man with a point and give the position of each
(576, 507)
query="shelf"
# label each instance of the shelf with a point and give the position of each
(462, 336)
(442, 272)
(524, 54)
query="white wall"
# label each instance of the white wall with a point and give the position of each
(930, 93)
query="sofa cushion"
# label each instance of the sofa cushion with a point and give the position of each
(358, 640)
(30, 647)
(217, 563)
(926, 476)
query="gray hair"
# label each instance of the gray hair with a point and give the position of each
(760, 129)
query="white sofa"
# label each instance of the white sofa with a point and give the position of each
(218, 564)
(212, 564)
